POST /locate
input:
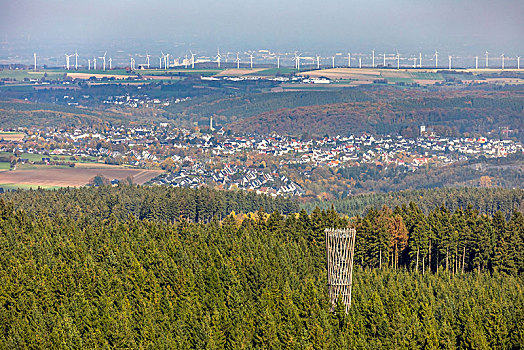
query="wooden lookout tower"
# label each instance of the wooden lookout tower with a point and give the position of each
(340, 248)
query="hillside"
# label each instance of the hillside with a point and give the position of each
(449, 112)
(227, 109)
(19, 113)
(331, 183)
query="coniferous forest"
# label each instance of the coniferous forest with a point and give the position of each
(115, 278)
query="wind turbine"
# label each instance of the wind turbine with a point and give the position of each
(518, 62)
(359, 62)
(110, 62)
(76, 60)
(487, 59)
(476, 62)
(192, 60)
(333, 61)
(147, 60)
(420, 59)
(251, 59)
(104, 61)
(297, 61)
(318, 62)
(218, 58)
(502, 60)
(414, 62)
(398, 60)
(449, 59)
(34, 55)
(384, 60)
(238, 61)
(373, 58)
(88, 64)
(436, 59)
(67, 60)
(167, 61)
(132, 63)
(278, 62)
(94, 63)
(349, 60)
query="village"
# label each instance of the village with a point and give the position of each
(216, 157)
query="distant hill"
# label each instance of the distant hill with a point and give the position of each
(393, 111)
(227, 109)
(18, 113)
(486, 200)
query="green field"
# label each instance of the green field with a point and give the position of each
(38, 157)
(8, 187)
(32, 157)
(5, 165)
(274, 71)
(399, 80)
(21, 74)
(18, 87)
(426, 76)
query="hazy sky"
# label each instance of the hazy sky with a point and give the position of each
(465, 27)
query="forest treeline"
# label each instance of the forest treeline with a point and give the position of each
(397, 111)
(339, 183)
(485, 200)
(227, 109)
(258, 280)
(146, 202)
(248, 107)
(16, 113)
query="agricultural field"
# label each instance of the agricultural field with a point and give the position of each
(204, 72)
(99, 75)
(29, 156)
(422, 76)
(32, 157)
(11, 187)
(5, 165)
(20, 75)
(11, 136)
(71, 177)
(234, 72)
(273, 72)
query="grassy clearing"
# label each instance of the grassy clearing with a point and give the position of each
(5, 165)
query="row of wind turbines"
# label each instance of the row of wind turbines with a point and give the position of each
(190, 61)
(417, 61)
